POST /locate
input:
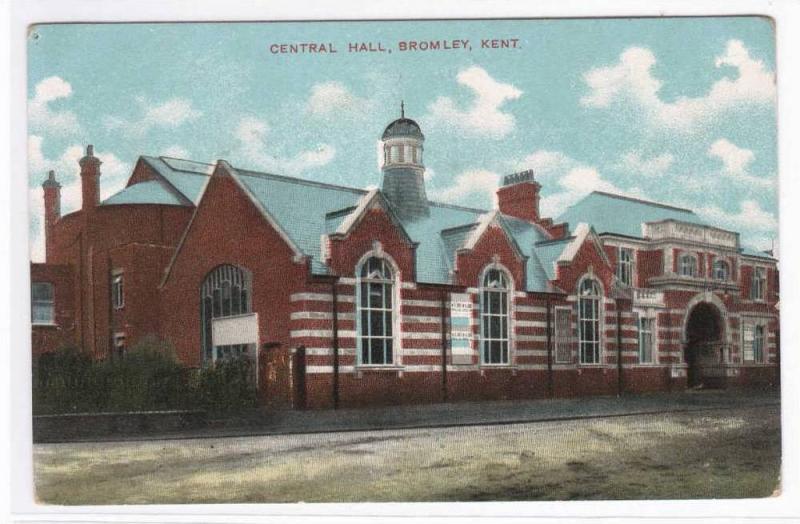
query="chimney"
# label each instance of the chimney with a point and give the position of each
(90, 180)
(519, 196)
(52, 211)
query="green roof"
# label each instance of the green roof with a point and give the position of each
(621, 215)
(148, 192)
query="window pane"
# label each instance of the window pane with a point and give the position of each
(389, 350)
(376, 323)
(376, 351)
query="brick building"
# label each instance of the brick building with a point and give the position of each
(352, 297)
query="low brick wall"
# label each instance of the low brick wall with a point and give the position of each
(79, 426)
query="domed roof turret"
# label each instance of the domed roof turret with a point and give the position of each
(403, 127)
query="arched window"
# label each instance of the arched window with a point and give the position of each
(687, 265)
(721, 270)
(589, 296)
(225, 292)
(376, 312)
(494, 317)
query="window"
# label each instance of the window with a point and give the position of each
(758, 286)
(376, 313)
(407, 158)
(625, 265)
(494, 318)
(563, 336)
(758, 343)
(688, 265)
(721, 270)
(117, 291)
(43, 304)
(394, 154)
(225, 293)
(646, 339)
(119, 345)
(589, 296)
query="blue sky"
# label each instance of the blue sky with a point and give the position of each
(676, 110)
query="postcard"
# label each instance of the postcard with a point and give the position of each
(404, 260)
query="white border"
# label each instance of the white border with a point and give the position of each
(14, 319)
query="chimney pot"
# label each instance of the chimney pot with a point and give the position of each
(90, 150)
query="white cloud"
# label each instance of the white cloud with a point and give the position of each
(484, 116)
(735, 161)
(630, 80)
(634, 163)
(749, 217)
(334, 98)
(42, 118)
(568, 180)
(252, 134)
(473, 182)
(175, 151)
(170, 114)
(114, 171)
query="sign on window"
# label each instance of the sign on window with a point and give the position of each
(231, 331)
(747, 342)
(461, 328)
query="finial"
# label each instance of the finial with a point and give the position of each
(402, 109)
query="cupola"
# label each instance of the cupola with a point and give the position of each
(403, 170)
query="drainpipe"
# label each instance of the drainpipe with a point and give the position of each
(619, 349)
(549, 348)
(444, 344)
(335, 348)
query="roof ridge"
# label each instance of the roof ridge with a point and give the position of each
(458, 206)
(304, 181)
(642, 201)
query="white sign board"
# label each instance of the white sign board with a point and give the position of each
(461, 328)
(229, 331)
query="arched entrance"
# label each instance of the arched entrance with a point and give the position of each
(704, 346)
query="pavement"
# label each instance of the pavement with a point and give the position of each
(467, 414)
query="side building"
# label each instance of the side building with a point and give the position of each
(349, 297)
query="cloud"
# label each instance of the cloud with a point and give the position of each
(252, 133)
(735, 161)
(634, 163)
(480, 182)
(568, 180)
(483, 117)
(170, 114)
(114, 171)
(175, 151)
(750, 217)
(630, 81)
(332, 98)
(42, 118)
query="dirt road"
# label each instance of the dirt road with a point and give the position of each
(711, 454)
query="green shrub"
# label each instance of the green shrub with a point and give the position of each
(227, 386)
(148, 377)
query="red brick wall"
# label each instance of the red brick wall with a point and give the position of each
(470, 265)
(229, 229)
(62, 333)
(649, 264)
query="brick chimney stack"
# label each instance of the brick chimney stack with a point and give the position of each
(52, 211)
(90, 180)
(519, 196)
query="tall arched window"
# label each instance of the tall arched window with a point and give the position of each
(589, 296)
(376, 312)
(687, 265)
(494, 317)
(721, 270)
(225, 292)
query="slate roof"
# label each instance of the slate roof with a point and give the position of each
(621, 215)
(403, 127)
(306, 210)
(149, 192)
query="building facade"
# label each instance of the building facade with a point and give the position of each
(349, 297)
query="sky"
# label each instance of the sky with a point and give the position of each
(677, 110)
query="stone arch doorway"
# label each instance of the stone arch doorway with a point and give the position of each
(704, 347)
